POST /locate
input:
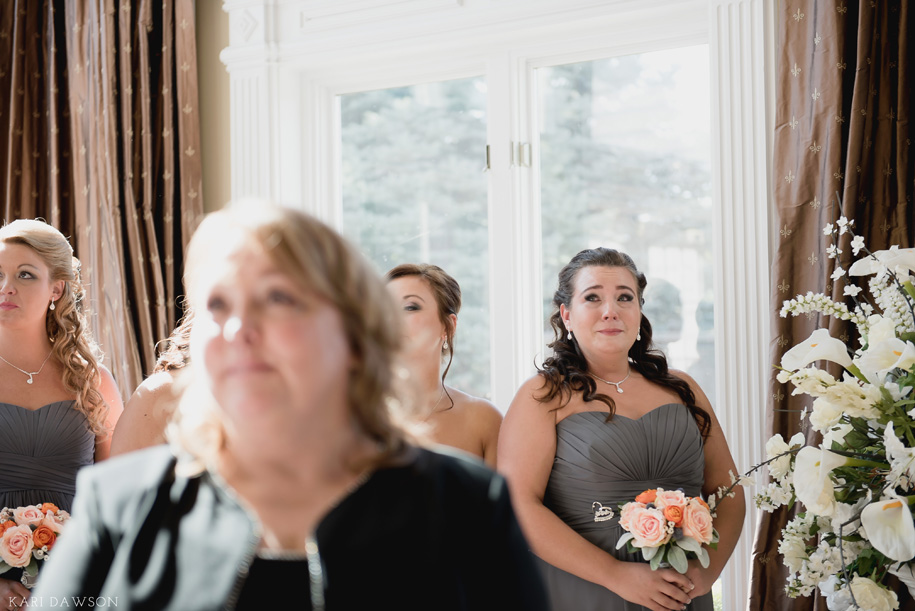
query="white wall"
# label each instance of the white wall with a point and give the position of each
(212, 37)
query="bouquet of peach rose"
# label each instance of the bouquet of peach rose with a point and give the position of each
(27, 534)
(669, 527)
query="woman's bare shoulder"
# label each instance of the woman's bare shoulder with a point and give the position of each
(475, 407)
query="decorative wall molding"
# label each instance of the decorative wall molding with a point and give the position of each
(741, 42)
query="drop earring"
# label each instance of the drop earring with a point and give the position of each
(52, 307)
(569, 335)
(638, 336)
(445, 345)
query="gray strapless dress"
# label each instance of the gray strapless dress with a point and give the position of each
(40, 452)
(611, 463)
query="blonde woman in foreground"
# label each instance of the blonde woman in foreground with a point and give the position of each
(295, 479)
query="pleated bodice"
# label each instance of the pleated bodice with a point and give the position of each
(610, 463)
(40, 452)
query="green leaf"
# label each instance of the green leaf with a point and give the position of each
(624, 539)
(703, 556)
(677, 559)
(650, 553)
(688, 544)
(32, 568)
(857, 440)
(655, 558)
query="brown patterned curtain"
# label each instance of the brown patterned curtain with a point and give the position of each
(99, 135)
(845, 72)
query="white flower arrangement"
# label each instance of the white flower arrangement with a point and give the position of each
(856, 485)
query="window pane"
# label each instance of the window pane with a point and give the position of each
(625, 162)
(414, 192)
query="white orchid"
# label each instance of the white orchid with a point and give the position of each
(819, 346)
(890, 528)
(776, 446)
(902, 459)
(847, 516)
(838, 597)
(858, 400)
(812, 483)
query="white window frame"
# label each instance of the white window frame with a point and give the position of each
(288, 60)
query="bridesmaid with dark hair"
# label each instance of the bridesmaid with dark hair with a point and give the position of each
(430, 300)
(603, 420)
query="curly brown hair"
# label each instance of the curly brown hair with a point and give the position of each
(566, 371)
(67, 326)
(175, 351)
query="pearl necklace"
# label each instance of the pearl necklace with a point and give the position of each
(617, 384)
(30, 374)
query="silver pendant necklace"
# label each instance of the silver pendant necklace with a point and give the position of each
(617, 384)
(30, 374)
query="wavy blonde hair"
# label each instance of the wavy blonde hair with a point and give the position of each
(316, 257)
(66, 325)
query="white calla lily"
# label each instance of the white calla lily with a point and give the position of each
(892, 259)
(906, 574)
(890, 528)
(907, 358)
(819, 346)
(880, 358)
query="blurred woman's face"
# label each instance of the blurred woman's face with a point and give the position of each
(424, 333)
(271, 349)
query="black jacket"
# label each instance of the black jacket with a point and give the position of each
(434, 533)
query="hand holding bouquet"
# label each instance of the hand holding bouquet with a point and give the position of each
(27, 534)
(668, 527)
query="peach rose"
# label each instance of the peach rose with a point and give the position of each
(648, 527)
(647, 496)
(673, 514)
(30, 514)
(16, 546)
(54, 522)
(626, 513)
(44, 536)
(46, 507)
(697, 521)
(670, 498)
(6, 525)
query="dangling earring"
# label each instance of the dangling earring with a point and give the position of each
(638, 336)
(569, 335)
(52, 307)
(445, 345)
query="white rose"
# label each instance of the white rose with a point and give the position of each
(872, 596)
(825, 414)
